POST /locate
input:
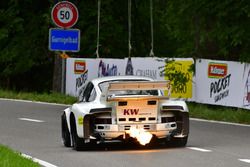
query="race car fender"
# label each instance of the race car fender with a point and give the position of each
(181, 109)
(67, 113)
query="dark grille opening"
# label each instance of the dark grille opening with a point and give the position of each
(142, 119)
(100, 127)
(152, 102)
(172, 108)
(147, 127)
(132, 119)
(151, 118)
(127, 127)
(122, 119)
(167, 119)
(122, 103)
(102, 121)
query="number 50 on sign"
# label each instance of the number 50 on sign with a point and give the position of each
(64, 14)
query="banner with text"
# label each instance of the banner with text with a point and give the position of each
(219, 82)
(80, 70)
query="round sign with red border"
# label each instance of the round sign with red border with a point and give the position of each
(64, 14)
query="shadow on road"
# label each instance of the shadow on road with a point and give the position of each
(121, 146)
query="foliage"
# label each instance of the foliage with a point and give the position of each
(210, 29)
(182, 28)
(24, 57)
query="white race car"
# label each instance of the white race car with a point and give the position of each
(125, 107)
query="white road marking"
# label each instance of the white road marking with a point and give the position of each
(199, 149)
(31, 120)
(41, 162)
(245, 160)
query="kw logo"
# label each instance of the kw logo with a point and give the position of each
(130, 111)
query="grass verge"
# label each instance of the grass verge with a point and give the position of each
(33, 96)
(219, 113)
(10, 158)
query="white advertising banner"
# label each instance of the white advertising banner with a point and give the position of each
(246, 87)
(219, 82)
(80, 70)
(216, 82)
(147, 67)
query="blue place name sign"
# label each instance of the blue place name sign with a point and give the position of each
(64, 40)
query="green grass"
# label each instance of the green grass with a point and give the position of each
(10, 158)
(219, 113)
(33, 96)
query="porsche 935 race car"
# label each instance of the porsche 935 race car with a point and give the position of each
(109, 108)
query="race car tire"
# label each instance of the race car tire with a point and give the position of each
(179, 142)
(78, 143)
(65, 132)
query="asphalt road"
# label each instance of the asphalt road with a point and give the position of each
(34, 129)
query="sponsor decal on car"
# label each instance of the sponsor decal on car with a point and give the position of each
(130, 111)
(79, 67)
(217, 70)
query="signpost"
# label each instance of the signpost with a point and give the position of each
(64, 14)
(64, 40)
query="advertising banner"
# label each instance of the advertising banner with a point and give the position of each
(180, 73)
(246, 87)
(166, 69)
(80, 71)
(146, 67)
(219, 82)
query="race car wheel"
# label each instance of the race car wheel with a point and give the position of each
(65, 132)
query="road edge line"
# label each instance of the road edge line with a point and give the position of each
(37, 102)
(39, 161)
(219, 122)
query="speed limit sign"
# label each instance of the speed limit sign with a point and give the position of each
(64, 14)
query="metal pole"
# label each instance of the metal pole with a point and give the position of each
(129, 28)
(63, 75)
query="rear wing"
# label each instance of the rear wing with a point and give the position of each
(140, 85)
(137, 85)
